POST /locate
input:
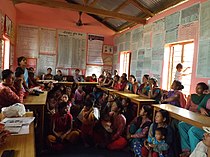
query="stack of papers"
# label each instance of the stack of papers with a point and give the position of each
(18, 125)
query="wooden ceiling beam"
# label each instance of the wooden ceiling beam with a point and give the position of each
(93, 3)
(121, 6)
(86, 9)
(141, 7)
(85, 2)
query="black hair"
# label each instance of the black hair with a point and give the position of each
(154, 80)
(31, 69)
(117, 76)
(162, 130)
(119, 105)
(179, 66)
(18, 72)
(89, 100)
(203, 85)
(146, 76)
(133, 77)
(59, 71)
(20, 59)
(178, 85)
(94, 75)
(49, 69)
(6, 73)
(148, 109)
(124, 75)
(127, 100)
(77, 70)
(61, 105)
(165, 115)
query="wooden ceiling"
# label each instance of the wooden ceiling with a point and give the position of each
(115, 14)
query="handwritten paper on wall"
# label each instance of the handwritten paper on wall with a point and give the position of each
(205, 21)
(93, 69)
(172, 21)
(171, 35)
(203, 63)
(47, 41)
(190, 14)
(27, 41)
(95, 45)
(46, 61)
(71, 49)
(1, 24)
(188, 31)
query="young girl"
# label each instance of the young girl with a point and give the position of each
(161, 120)
(118, 123)
(128, 110)
(180, 72)
(88, 121)
(157, 144)
(116, 82)
(62, 127)
(137, 131)
(79, 95)
(132, 85)
(175, 96)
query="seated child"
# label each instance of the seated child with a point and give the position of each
(157, 144)
(203, 147)
(79, 95)
(61, 130)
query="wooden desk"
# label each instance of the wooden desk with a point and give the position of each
(140, 101)
(87, 83)
(24, 145)
(185, 115)
(37, 104)
(109, 90)
(126, 94)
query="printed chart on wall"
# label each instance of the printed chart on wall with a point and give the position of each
(95, 45)
(46, 61)
(47, 41)
(1, 24)
(27, 41)
(71, 49)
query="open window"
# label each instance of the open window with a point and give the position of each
(125, 59)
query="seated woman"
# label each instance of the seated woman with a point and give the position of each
(18, 83)
(58, 76)
(138, 129)
(132, 85)
(123, 83)
(8, 94)
(194, 100)
(161, 120)
(191, 135)
(175, 96)
(107, 81)
(144, 88)
(61, 130)
(154, 92)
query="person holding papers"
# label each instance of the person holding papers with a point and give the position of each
(8, 94)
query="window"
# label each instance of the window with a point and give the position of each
(6, 53)
(174, 54)
(125, 58)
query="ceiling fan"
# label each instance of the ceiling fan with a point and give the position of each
(79, 23)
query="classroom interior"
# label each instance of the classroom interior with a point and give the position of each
(136, 37)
